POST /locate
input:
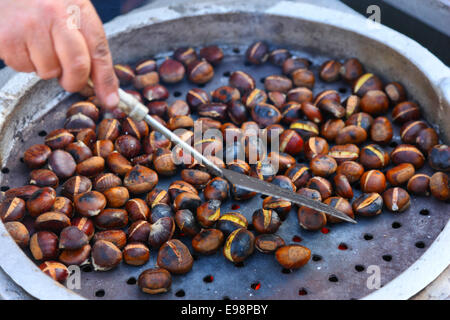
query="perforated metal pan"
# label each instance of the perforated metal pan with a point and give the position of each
(410, 249)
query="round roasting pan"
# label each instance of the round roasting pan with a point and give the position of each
(25, 99)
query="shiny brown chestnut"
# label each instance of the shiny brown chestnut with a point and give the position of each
(340, 204)
(171, 71)
(406, 153)
(374, 102)
(105, 181)
(59, 139)
(277, 98)
(186, 222)
(187, 200)
(72, 238)
(396, 199)
(136, 254)
(352, 105)
(282, 160)
(299, 174)
(24, 192)
(367, 82)
(400, 174)
(237, 112)
(137, 209)
(291, 112)
(323, 165)
(277, 83)
(163, 162)
(351, 169)
(373, 181)
(213, 110)
(79, 151)
(139, 231)
(342, 186)
(300, 95)
(157, 196)
(217, 189)
(156, 92)
(36, 156)
(108, 129)
(396, 92)
(180, 186)
(76, 257)
(175, 257)
(278, 56)
(268, 243)
(303, 78)
(78, 122)
(196, 97)
(330, 71)
(207, 241)
(292, 256)
(266, 221)
(87, 136)
(360, 119)
(40, 201)
(12, 209)
(381, 130)
(231, 221)
(242, 81)
(105, 255)
(44, 245)
(62, 164)
(351, 70)
(85, 107)
(322, 185)
(84, 224)
(140, 179)
(368, 204)
(344, 152)
(292, 64)
(158, 108)
(111, 218)
(103, 148)
(90, 203)
(55, 270)
(239, 245)
(331, 128)
(198, 178)
(52, 221)
(419, 184)
(351, 134)
(405, 111)
(312, 112)
(116, 197)
(410, 130)
(257, 53)
(18, 232)
(160, 210)
(118, 164)
(427, 139)
(91, 167)
(373, 157)
(200, 71)
(439, 186)
(291, 142)
(208, 213)
(212, 54)
(310, 219)
(185, 55)
(329, 101)
(117, 237)
(154, 281)
(124, 73)
(439, 158)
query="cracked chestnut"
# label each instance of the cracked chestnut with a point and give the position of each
(117, 237)
(207, 241)
(239, 245)
(18, 232)
(175, 257)
(368, 204)
(396, 199)
(154, 281)
(266, 221)
(44, 245)
(268, 243)
(136, 254)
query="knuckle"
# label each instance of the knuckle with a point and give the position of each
(80, 66)
(101, 50)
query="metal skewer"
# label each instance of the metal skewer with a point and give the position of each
(138, 112)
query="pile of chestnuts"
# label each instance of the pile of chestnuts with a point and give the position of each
(110, 210)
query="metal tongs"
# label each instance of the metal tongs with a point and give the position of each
(137, 111)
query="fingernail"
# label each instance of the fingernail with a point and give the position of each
(112, 100)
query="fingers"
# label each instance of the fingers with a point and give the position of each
(73, 55)
(102, 73)
(43, 55)
(15, 54)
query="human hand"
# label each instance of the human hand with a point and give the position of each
(40, 36)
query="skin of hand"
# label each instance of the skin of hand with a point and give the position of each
(40, 36)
